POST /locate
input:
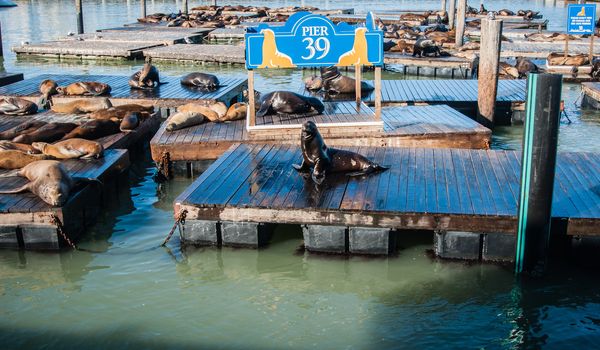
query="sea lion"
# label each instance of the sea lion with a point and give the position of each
(525, 66)
(23, 128)
(335, 82)
(82, 106)
(315, 153)
(403, 47)
(15, 159)
(84, 88)
(48, 133)
(424, 47)
(70, 149)
(201, 80)
(313, 83)
(206, 111)
(129, 122)
(93, 129)
(47, 89)
(48, 179)
(507, 71)
(286, 102)
(558, 59)
(17, 106)
(237, 111)
(182, 120)
(506, 12)
(13, 146)
(119, 112)
(147, 78)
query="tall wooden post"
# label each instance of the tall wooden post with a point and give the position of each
(251, 103)
(1, 50)
(185, 7)
(378, 93)
(214, 2)
(461, 15)
(451, 13)
(591, 45)
(444, 5)
(143, 7)
(491, 32)
(538, 164)
(357, 84)
(79, 11)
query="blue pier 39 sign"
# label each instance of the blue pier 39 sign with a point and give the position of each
(310, 40)
(581, 19)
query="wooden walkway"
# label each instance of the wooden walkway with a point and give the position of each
(26, 219)
(9, 78)
(198, 53)
(426, 189)
(424, 126)
(171, 94)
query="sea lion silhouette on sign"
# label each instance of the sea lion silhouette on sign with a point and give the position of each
(358, 54)
(271, 56)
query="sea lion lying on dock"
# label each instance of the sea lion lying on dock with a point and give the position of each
(6, 145)
(559, 59)
(425, 47)
(335, 82)
(15, 159)
(236, 111)
(81, 106)
(505, 12)
(415, 17)
(23, 128)
(213, 112)
(324, 160)
(527, 14)
(201, 80)
(539, 37)
(287, 102)
(93, 129)
(181, 120)
(402, 47)
(85, 88)
(507, 71)
(147, 78)
(17, 106)
(70, 149)
(130, 122)
(120, 112)
(48, 133)
(48, 88)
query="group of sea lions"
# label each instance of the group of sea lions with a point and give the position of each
(192, 114)
(49, 88)
(526, 14)
(520, 70)
(193, 20)
(333, 82)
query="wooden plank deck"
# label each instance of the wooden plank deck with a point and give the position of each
(425, 126)
(147, 38)
(426, 189)
(9, 78)
(227, 34)
(84, 49)
(26, 219)
(157, 30)
(171, 94)
(533, 49)
(198, 53)
(591, 92)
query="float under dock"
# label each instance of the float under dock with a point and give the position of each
(447, 67)
(27, 220)
(172, 94)
(424, 189)
(198, 53)
(424, 126)
(9, 78)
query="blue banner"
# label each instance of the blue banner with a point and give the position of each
(581, 19)
(310, 40)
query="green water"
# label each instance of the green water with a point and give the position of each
(124, 291)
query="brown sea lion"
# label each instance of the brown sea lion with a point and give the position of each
(525, 66)
(287, 102)
(93, 129)
(14, 159)
(71, 149)
(48, 133)
(313, 83)
(324, 160)
(425, 47)
(336, 83)
(559, 59)
(236, 111)
(147, 78)
(181, 120)
(17, 106)
(82, 106)
(119, 112)
(219, 107)
(129, 122)
(201, 80)
(47, 89)
(206, 111)
(507, 71)
(506, 12)
(23, 128)
(84, 88)
(13, 146)
(403, 47)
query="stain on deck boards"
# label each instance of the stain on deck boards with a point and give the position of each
(172, 94)
(423, 126)
(199, 53)
(27, 216)
(9, 78)
(432, 189)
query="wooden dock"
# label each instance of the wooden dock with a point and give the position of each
(591, 94)
(198, 53)
(227, 34)
(84, 49)
(168, 95)
(158, 30)
(533, 49)
(427, 126)
(27, 220)
(146, 38)
(9, 78)
(424, 189)
(450, 67)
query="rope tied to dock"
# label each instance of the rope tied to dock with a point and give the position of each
(180, 220)
(54, 219)
(164, 168)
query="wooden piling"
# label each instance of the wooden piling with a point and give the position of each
(451, 13)
(251, 110)
(491, 32)
(79, 11)
(357, 84)
(461, 15)
(143, 8)
(443, 5)
(185, 6)
(538, 164)
(1, 51)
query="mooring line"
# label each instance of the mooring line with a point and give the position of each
(180, 220)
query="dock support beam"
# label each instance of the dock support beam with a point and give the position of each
(143, 7)
(538, 169)
(489, 60)
(461, 15)
(79, 11)
(353, 240)
(451, 13)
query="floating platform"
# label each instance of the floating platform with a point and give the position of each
(426, 126)
(447, 67)
(168, 95)
(251, 187)
(591, 94)
(148, 38)
(9, 78)
(385, 19)
(198, 53)
(158, 30)
(26, 221)
(535, 49)
(84, 49)
(227, 34)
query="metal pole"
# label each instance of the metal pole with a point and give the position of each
(79, 11)
(143, 7)
(461, 15)
(451, 13)
(489, 61)
(538, 164)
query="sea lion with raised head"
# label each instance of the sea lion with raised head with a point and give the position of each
(236, 111)
(181, 120)
(129, 122)
(93, 129)
(15, 159)
(147, 78)
(71, 149)
(324, 160)
(47, 89)
(48, 133)
(82, 106)
(335, 82)
(84, 88)
(201, 80)
(17, 106)
(286, 102)
(21, 129)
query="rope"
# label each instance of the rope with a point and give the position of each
(61, 230)
(180, 220)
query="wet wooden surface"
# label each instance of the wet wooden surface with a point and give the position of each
(199, 53)
(9, 78)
